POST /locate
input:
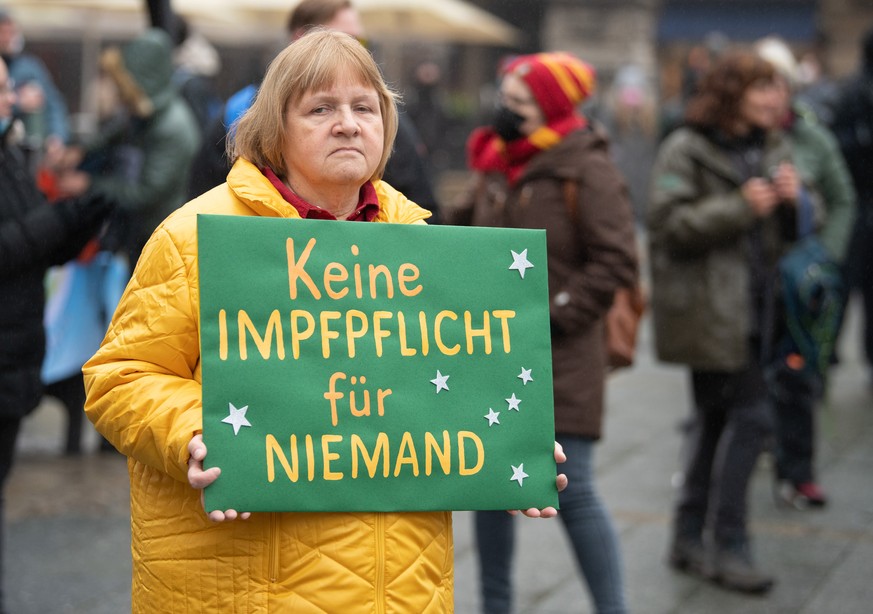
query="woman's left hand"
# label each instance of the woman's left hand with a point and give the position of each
(786, 182)
(199, 478)
(561, 481)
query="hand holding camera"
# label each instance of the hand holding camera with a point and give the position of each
(765, 195)
(786, 183)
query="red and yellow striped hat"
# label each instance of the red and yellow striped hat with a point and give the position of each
(559, 81)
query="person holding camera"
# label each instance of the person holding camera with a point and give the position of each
(722, 212)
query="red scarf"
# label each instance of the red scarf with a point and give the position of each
(487, 152)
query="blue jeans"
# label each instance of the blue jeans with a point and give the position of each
(588, 526)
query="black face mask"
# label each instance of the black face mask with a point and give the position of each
(507, 124)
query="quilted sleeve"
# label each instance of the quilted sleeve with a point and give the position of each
(143, 384)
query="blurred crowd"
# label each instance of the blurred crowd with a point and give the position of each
(750, 191)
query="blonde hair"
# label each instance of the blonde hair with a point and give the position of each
(311, 63)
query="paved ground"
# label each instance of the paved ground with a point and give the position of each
(67, 526)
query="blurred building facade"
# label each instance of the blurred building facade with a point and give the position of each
(651, 36)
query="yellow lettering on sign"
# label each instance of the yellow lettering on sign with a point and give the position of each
(405, 274)
(328, 456)
(296, 334)
(265, 343)
(326, 333)
(367, 460)
(438, 333)
(381, 450)
(406, 455)
(504, 315)
(274, 449)
(296, 270)
(444, 454)
(463, 469)
(484, 332)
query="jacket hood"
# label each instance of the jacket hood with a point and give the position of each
(143, 70)
(561, 161)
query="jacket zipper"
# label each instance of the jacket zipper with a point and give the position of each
(380, 563)
(273, 548)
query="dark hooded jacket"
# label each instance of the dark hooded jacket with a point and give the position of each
(162, 129)
(33, 236)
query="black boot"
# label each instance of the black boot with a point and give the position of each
(688, 554)
(732, 568)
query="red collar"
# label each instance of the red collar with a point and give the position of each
(366, 211)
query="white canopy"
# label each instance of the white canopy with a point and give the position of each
(448, 21)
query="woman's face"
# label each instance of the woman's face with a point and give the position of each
(516, 96)
(333, 138)
(782, 95)
(760, 106)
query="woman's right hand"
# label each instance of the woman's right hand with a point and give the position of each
(761, 196)
(199, 478)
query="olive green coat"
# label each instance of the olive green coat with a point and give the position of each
(699, 227)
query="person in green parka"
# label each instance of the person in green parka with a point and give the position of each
(158, 127)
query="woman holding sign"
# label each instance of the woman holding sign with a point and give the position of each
(542, 165)
(313, 145)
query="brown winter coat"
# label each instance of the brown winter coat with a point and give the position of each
(589, 257)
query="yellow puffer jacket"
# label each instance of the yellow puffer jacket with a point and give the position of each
(144, 395)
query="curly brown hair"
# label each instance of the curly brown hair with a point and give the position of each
(716, 103)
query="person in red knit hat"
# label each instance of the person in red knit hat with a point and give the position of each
(542, 164)
(539, 95)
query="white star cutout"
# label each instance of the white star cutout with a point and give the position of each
(491, 416)
(524, 376)
(518, 474)
(513, 402)
(520, 262)
(440, 381)
(237, 418)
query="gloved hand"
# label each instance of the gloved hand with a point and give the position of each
(88, 211)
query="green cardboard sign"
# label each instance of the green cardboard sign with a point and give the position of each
(375, 367)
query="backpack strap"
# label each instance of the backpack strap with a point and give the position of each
(571, 199)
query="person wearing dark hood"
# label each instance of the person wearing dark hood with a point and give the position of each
(544, 165)
(853, 127)
(197, 63)
(33, 236)
(161, 128)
